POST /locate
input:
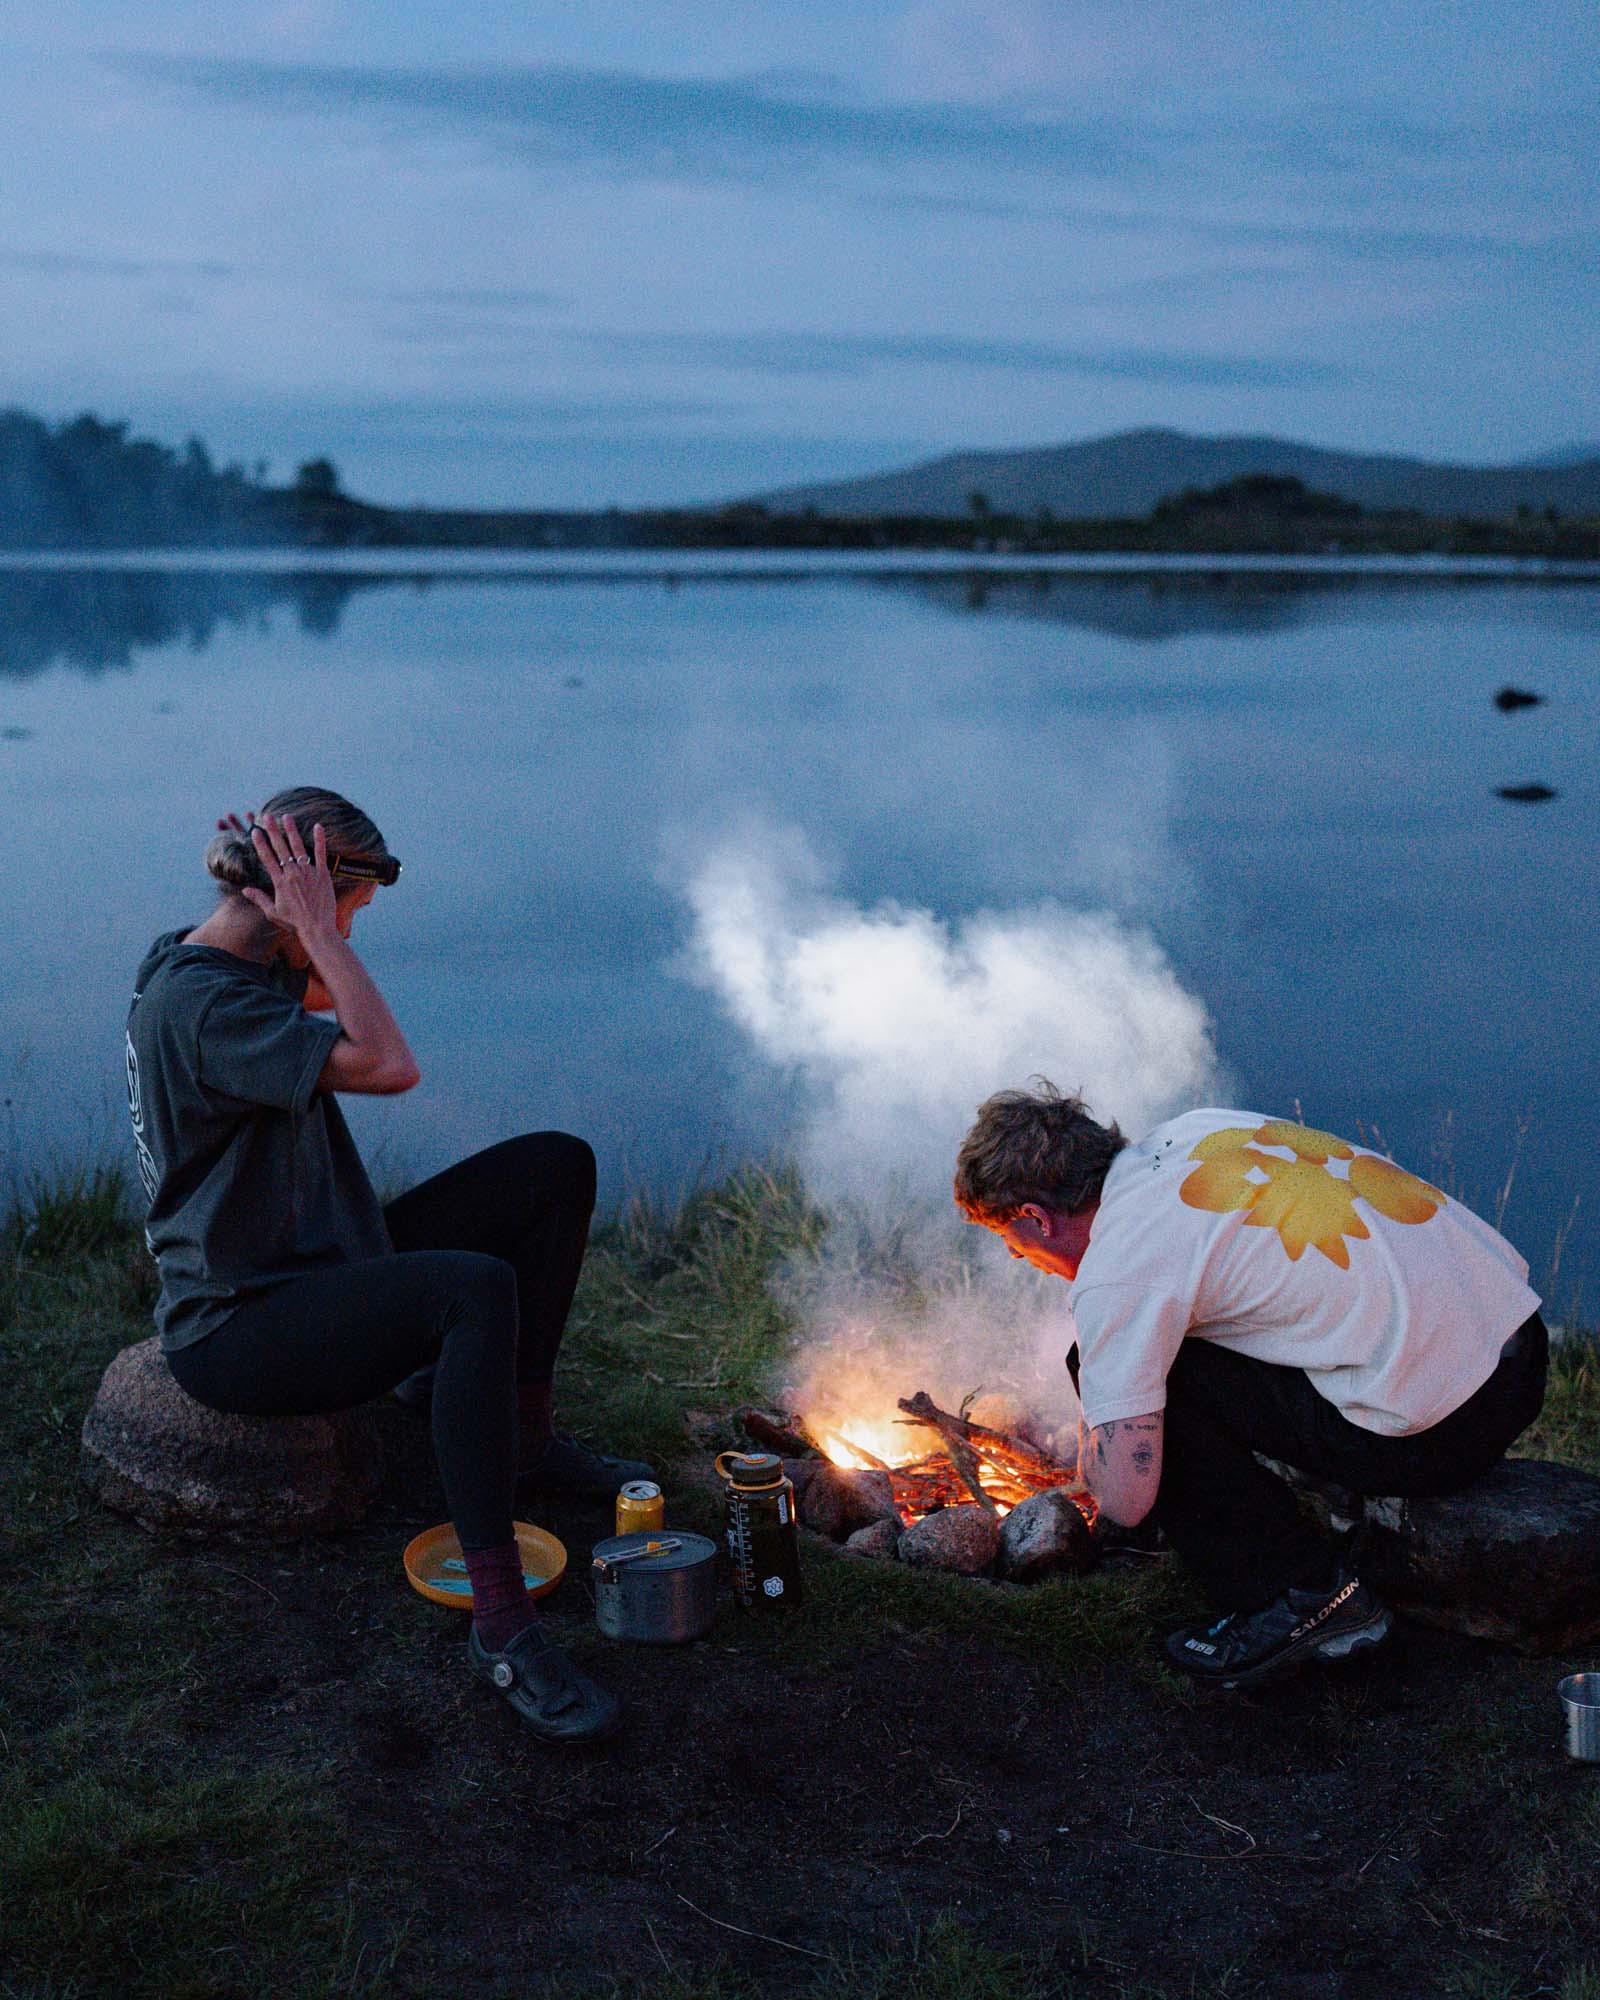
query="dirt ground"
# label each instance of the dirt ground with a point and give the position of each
(1409, 1829)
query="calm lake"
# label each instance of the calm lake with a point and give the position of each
(1286, 782)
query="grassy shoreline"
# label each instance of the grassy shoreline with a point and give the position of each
(175, 1821)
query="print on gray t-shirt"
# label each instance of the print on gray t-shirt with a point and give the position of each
(250, 1173)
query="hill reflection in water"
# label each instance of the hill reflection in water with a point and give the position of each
(100, 620)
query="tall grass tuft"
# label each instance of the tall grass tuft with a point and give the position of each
(1568, 1427)
(79, 1213)
(675, 1307)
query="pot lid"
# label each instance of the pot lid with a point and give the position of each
(691, 1550)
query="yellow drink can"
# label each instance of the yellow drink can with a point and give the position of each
(640, 1508)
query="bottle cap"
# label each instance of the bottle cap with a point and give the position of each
(748, 1469)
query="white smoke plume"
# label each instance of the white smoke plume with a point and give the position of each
(896, 1024)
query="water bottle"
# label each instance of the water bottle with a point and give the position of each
(758, 1502)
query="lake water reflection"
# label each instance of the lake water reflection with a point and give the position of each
(1289, 781)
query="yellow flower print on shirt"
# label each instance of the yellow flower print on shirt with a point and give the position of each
(1302, 1198)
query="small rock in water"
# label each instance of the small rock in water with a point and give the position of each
(877, 1542)
(1045, 1532)
(962, 1539)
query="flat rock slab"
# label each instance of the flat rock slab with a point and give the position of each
(153, 1452)
(1514, 1557)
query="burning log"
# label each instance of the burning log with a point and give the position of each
(1007, 1453)
(963, 1459)
(841, 1484)
(957, 1442)
(1018, 1468)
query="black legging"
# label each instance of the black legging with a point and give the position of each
(487, 1260)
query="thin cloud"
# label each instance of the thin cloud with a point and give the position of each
(970, 159)
(666, 125)
(84, 264)
(855, 354)
(517, 419)
(473, 298)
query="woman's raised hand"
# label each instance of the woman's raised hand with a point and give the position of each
(302, 898)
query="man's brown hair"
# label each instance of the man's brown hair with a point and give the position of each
(1033, 1146)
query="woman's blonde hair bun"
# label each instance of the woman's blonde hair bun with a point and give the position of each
(231, 858)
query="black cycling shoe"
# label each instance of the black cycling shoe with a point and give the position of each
(537, 1680)
(564, 1467)
(1301, 1625)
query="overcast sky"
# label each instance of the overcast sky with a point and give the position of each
(638, 250)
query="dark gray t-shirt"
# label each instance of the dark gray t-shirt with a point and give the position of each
(251, 1175)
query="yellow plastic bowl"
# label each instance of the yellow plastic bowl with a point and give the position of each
(434, 1564)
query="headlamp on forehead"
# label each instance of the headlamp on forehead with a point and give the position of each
(365, 868)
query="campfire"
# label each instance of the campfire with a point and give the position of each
(981, 1499)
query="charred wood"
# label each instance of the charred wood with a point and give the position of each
(925, 1411)
(787, 1436)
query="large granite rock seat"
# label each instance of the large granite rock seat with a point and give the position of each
(1514, 1557)
(153, 1452)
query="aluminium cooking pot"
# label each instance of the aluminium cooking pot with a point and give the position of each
(654, 1587)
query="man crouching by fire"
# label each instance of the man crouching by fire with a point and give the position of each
(1245, 1284)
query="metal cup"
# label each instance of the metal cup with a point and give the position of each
(1580, 1702)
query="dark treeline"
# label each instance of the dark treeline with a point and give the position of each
(1257, 514)
(87, 484)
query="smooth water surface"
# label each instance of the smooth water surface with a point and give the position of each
(1289, 781)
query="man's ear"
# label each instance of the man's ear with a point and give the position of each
(1040, 1217)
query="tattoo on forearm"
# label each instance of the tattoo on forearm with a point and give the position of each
(1142, 1451)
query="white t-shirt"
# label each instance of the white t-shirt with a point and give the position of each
(1297, 1248)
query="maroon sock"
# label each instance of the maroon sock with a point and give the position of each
(501, 1605)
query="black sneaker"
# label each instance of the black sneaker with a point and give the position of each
(537, 1680)
(565, 1467)
(1248, 1646)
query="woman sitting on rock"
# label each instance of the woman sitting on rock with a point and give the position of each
(286, 1289)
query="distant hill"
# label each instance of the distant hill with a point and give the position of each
(1571, 454)
(1122, 477)
(88, 484)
